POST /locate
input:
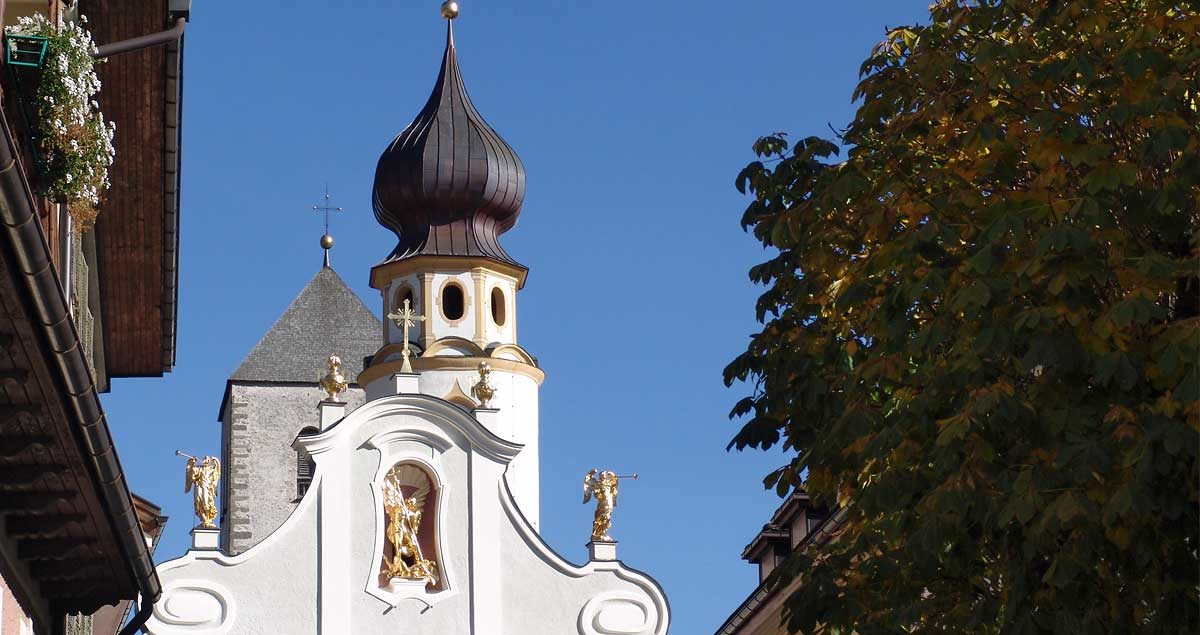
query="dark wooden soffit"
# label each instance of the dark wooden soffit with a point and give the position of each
(72, 538)
(137, 230)
(54, 519)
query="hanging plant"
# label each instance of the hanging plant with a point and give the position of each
(74, 141)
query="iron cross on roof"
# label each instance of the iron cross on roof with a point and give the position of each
(326, 239)
(406, 318)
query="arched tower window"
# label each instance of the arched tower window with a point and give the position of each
(305, 466)
(404, 292)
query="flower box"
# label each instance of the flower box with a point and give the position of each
(25, 50)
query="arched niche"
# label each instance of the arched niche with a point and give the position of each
(410, 499)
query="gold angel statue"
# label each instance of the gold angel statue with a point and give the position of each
(603, 486)
(333, 383)
(404, 522)
(203, 476)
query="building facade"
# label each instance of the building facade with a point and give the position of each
(408, 498)
(797, 524)
(83, 303)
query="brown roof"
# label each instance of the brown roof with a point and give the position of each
(449, 184)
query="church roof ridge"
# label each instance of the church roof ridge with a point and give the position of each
(325, 318)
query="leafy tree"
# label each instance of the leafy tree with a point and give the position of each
(980, 332)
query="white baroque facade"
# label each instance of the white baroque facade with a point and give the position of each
(320, 571)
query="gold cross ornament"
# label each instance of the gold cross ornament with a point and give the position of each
(406, 318)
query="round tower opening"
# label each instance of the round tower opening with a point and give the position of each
(499, 313)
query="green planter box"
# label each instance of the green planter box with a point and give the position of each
(25, 50)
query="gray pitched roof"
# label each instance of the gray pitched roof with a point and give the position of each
(326, 318)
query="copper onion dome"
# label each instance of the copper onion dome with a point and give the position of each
(448, 184)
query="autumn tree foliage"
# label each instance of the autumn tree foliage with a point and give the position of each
(980, 329)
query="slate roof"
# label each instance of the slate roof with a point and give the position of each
(327, 317)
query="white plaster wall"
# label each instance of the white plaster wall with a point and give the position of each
(555, 594)
(517, 421)
(517, 400)
(270, 589)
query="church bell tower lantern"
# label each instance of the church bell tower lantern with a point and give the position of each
(448, 186)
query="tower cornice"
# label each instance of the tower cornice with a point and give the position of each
(383, 273)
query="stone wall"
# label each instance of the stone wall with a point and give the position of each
(259, 423)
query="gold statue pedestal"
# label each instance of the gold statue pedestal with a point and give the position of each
(602, 550)
(407, 587)
(206, 539)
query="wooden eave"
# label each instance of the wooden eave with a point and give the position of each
(137, 232)
(70, 539)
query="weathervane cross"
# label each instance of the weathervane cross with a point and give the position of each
(326, 208)
(326, 240)
(406, 318)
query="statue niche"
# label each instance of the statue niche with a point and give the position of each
(410, 513)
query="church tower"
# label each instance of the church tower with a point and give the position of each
(402, 495)
(448, 186)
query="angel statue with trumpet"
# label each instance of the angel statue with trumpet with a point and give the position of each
(603, 486)
(203, 475)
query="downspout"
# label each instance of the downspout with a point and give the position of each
(145, 609)
(142, 42)
(53, 324)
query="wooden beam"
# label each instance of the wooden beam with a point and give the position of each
(55, 548)
(14, 375)
(76, 569)
(13, 446)
(41, 526)
(33, 502)
(10, 412)
(22, 475)
(85, 588)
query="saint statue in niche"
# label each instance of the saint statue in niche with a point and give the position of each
(405, 490)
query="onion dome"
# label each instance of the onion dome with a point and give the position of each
(448, 184)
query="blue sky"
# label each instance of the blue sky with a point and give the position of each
(632, 120)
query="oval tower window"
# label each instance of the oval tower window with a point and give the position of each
(498, 307)
(453, 302)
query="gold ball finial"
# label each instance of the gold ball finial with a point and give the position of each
(449, 9)
(326, 241)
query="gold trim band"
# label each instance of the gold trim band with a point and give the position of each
(387, 369)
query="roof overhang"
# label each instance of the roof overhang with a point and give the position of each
(138, 224)
(72, 540)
